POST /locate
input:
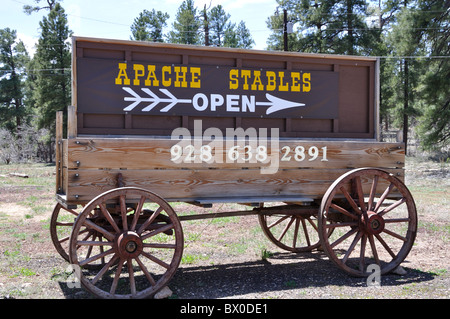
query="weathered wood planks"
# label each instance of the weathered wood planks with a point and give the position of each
(92, 165)
(116, 153)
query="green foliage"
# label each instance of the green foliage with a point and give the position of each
(187, 25)
(52, 62)
(149, 25)
(13, 59)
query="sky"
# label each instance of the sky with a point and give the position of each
(112, 19)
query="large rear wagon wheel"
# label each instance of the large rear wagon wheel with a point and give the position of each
(140, 249)
(360, 226)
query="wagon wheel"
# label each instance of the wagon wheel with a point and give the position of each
(291, 232)
(142, 248)
(61, 224)
(373, 220)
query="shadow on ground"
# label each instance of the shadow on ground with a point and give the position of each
(281, 272)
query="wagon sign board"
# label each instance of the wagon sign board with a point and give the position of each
(293, 135)
(119, 86)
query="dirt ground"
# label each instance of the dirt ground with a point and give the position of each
(229, 258)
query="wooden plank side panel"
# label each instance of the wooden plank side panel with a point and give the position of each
(188, 185)
(156, 153)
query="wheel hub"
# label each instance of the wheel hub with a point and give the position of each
(129, 245)
(374, 224)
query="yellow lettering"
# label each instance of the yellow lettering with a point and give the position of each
(151, 75)
(180, 76)
(234, 82)
(122, 74)
(166, 70)
(246, 74)
(195, 74)
(306, 82)
(295, 87)
(139, 71)
(283, 86)
(271, 81)
(257, 80)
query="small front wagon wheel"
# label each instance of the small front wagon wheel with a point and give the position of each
(367, 216)
(292, 232)
(61, 224)
(140, 249)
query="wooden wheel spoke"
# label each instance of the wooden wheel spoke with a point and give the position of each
(313, 224)
(286, 228)
(305, 231)
(389, 232)
(350, 200)
(64, 239)
(156, 260)
(62, 224)
(108, 217)
(150, 220)
(145, 271)
(374, 249)
(158, 231)
(116, 277)
(96, 257)
(347, 224)
(352, 246)
(362, 253)
(383, 197)
(297, 224)
(278, 221)
(100, 229)
(163, 246)
(397, 220)
(385, 245)
(104, 269)
(343, 211)
(343, 237)
(360, 193)
(94, 243)
(392, 206)
(137, 213)
(373, 191)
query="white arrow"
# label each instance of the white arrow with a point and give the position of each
(276, 104)
(136, 99)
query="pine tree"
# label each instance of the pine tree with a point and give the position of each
(13, 60)
(218, 24)
(435, 83)
(149, 26)
(186, 26)
(51, 76)
(324, 26)
(238, 36)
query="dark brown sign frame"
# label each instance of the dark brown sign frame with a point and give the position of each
(139, 88)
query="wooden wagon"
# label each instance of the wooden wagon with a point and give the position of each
(292, 136)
